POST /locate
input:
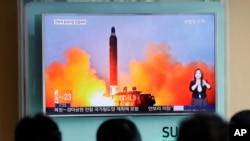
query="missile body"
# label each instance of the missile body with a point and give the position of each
(113, 58)
(113, 62)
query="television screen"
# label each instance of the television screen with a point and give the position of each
(128, 64)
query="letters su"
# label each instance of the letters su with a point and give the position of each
(170, 131)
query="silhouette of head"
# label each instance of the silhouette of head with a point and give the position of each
(39, 128)
(241, 118)
(118, 130)
(203, 127)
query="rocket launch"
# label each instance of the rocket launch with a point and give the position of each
(113, 61)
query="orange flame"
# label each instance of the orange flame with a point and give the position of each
(160, 75)
(167, 79)
(77, 76)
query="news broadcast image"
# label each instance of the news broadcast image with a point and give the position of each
(126, 64)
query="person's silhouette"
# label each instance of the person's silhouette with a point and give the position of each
(203, 127)
(38, 128)
(119, 129)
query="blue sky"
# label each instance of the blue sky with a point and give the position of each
(190, 37)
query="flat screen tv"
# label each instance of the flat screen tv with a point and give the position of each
(106, 64)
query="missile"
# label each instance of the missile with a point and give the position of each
(113, 61)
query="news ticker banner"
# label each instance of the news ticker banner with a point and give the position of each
(66, 109)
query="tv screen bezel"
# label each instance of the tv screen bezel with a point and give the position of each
(146, 9)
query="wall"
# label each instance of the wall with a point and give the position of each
(239, 41)
(8, 69)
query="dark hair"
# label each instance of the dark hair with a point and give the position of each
(198, 69)
(118, 130)
(203, 127)
(23, 129)
(39, 128)
(241, 117)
